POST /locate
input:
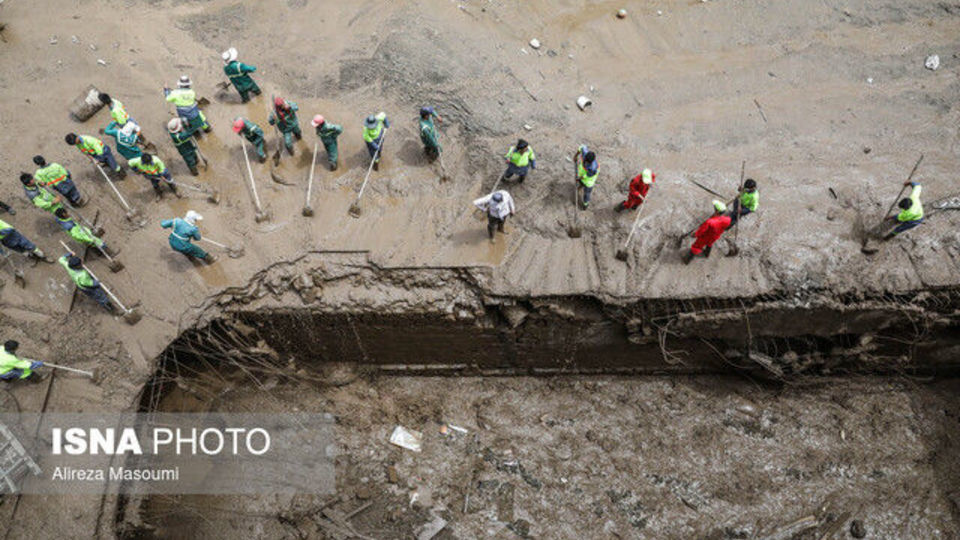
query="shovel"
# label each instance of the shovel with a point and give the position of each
(573, 230)
(97, 231)
(869, 248)
(355, 207)
(260, 215)
(17, 272)
(307, 209)
(113, 264)
(94, 375)
(734, 250)
(622, 253)
(131, 316)
(233, 252)
(213, 196)
(132, 213)
(203, 158)
(276, 127)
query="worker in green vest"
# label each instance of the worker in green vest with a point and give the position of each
(253, 133)
(94, 149)
(328, 134)
(520, 159)
(85, 282)
(13, 239)
(53, 175)
(373, 132)
(40, 197)
(587, 172)
(238, 73)
(183, 232)
(284, 116)
(155, 170)
(185, 99)
(80, 233)
(127, 136)
(185, 144)
(911, 212)
(14, 368)
(428, 132)
(746, 203)
(117, 111)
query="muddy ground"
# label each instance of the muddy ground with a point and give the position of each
(812, 95)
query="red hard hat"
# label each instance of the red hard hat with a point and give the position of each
(317, 120)
(278, 101)
(237, 125)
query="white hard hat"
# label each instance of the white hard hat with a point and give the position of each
(129, 128)
(184, 81)
(230, 55)
(174, 125)
(192, 217)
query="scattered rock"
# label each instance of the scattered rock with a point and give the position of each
(622, 14)
(392, 475)
(857, 529)
(432, 529)
(869, 80)
(521, 527)
(932, 62)
(535, 43)
(583, 102)
(659, 13)
(527, 127)
(101, 61)
(53, 40)
(867, 149)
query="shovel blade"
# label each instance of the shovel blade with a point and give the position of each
(621, 255)
(261, 216)
(354, 210)
(573, 232)
(235, 253)
(214, 197)
(307, 211)
(133, 316)
(116, 266)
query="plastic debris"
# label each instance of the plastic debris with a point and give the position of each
(535, 43)
(53, 40)
(583, 102)
(527, 127)
(406, 438)
(101, 61)
(932, 62)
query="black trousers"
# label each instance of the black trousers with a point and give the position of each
(494, 223)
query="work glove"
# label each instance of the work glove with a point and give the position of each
(35, 365)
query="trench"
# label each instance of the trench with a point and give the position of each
(764, 346)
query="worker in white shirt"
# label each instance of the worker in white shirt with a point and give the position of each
(498, 206)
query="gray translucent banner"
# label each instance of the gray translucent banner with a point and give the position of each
(167, 453)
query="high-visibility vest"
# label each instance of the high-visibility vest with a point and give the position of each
(372, 134)
(915, 211)
(81, 278)
(5, 228)
(9, 362)
(585, 178)
(91, 146)
(182, 97)
(520, 159)
(118, 112)
(50, 175)
(750, 201)
(154, 168)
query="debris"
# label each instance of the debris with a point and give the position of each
(392, 475)
(932, 62)
(527, 127)
(75, 39)
(86, 104)
(659, 13)
(869, 80)
(521, 527)
(583, 102)
(406, 438)
(621, 14)
(101, 61)
(759, 108)
(535, 43)
(431, 529)
(93, 47)
(867, 149)
(857, 530)
(53, 40)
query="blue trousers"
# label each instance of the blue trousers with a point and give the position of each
(68, 189)
(17, 242)
(187, 248)
(586, 194)
(107, 159)
(515, 170)
(737, 212)
(372, 147)
(97, 294)
(14, 373)
(155, 180)
(907, 225)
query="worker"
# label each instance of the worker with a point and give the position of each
(284, 116)
(498, 206)
(84, 281)
(127, 136)
(40, 197)
(373, 134)
(253, 133)
(520, 158)
(13, 239)
(239, 74)
(428, 132)
(153, 168)
(911, 212)
(117, 111)
(639, 187)
(80, 233)
(55, 176)
(185, 99)
(12, 367)
(709, 232)
(95, 150)
(747, 202)
(7, 208)
(185, 144)
(328, 134)
(185, 230)
(587, 172)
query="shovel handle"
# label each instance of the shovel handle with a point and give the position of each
(111, 184)
(65, 368)
(376, 155)
(253, 185)
(313, 165)
(94, 276)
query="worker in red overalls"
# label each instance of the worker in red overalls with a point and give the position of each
(639, 187)
(709, 232)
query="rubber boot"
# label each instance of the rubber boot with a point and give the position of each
(376, 165)
(173, 188)
(706, 252)
(210, 258)
(686, 257)
(618, 208)
(158, 192)
(6, 208)
(333, 166)
(521, 178)
(263, 159)
(194, 171)
(82, 201)
(298, 135)
(121, 173)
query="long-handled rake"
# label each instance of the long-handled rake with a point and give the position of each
(131, 316)
(622, 253)
(260, 215)
(132, 213)
(307, 209)
(233, 252)
(354, 210)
